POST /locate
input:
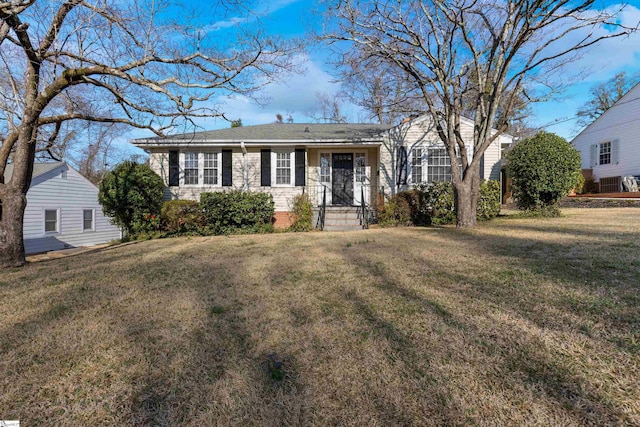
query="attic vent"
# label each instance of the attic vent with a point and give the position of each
(306, 129)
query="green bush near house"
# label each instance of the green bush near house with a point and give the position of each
(543, 169)
(181, 216)
(131, 194)
(302, 211)
(433, 204)
(395, 213)
(488, 200)
(236, 212)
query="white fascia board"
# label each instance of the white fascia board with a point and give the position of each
(254, 143)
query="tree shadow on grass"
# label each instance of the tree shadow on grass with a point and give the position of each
(542, 370)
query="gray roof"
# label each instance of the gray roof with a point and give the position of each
(301, 132)
(38, 169)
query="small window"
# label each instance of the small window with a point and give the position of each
(361, 167)
(210, 175)
(63, 175)
(416, 166)
(87, 220)
(283, 168)
(191, 168)
(51, 221)
(605, 153)
(325, 167)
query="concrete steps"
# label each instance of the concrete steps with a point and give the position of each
(341, 218)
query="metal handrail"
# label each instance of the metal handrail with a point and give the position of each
(323, 208)
(364, 221)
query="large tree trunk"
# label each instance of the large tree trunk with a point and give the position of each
(466, 195)
(11, 234)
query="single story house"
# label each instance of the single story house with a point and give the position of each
(347, 161)
(62, 210)
(609, 146)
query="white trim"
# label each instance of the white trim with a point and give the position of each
(93, 221)
(44, 221)
(200, 184)
(274, 164)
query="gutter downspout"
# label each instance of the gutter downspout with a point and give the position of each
(245, 166)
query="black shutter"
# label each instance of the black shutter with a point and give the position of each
(402, 165)
(227, 174)
(300, 178)
(265, 168)
(482, 166)
(174, 169)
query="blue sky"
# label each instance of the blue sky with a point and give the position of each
(296, 94)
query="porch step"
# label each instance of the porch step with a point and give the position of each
(340, 218)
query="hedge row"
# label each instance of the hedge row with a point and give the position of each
(216, 213)
(433, 204)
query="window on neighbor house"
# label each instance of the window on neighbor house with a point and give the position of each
(325, 167)
(416, 165)
(191, 168)
(51, 221)
(210, 171)
(87, 219)
(605, 153)
(283, 168)
(361, 167)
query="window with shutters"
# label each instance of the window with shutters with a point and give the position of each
(605, 153)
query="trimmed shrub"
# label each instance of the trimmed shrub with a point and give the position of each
(433, 204)
(543, 169)
(302, 212)
(395, 213)
(181, 216)
(236, 211)
(131, 194)
(488, 200)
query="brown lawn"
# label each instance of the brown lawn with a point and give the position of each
(520, 321)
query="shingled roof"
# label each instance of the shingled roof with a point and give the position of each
(38, 169)
(278, 132)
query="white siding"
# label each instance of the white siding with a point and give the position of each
(420, 133)
(70, 196)
(282, 196)
(622, 123)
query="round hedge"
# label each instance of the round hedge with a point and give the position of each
(131, 194)
(543, 169)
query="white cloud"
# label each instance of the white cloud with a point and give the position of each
(264, 9)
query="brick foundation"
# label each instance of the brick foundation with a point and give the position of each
(282, 219)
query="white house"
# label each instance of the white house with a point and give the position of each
(62, 210)
(348, 161)
(610, 146)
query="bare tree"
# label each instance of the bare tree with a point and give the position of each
(135, 62)
(329, 108)
(603, 96)
(382, 90)
(451, 50)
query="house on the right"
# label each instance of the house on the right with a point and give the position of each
(610, 146)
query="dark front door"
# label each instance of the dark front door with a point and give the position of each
(342, 188)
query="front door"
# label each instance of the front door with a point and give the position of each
(342, 179)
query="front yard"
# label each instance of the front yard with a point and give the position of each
(521, 321)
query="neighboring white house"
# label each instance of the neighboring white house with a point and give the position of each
(610, 146)
(62, 210)
(284, 159)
